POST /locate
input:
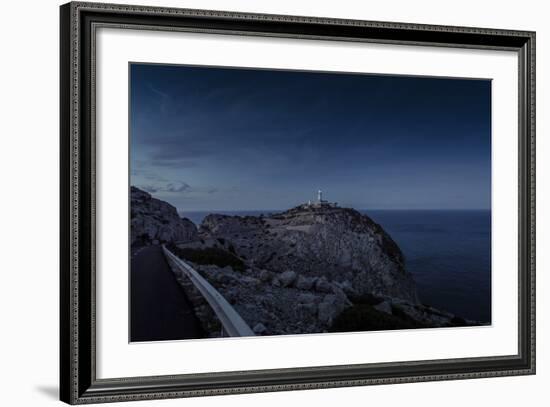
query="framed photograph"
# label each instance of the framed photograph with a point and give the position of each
(255, 203)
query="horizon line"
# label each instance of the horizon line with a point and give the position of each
(342, 207)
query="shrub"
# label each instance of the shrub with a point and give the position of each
(398, 312)
(366, 299)
(211, 255)
(363, 317)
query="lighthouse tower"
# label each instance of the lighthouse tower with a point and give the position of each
(320, 202)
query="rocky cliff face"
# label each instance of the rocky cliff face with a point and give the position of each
(156, 220)
(304, 271)
(339, 245)
(313, 268)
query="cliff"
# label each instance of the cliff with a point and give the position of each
(338, 244)
(310, 269)
(155, 220)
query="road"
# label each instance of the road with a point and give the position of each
(159, 308)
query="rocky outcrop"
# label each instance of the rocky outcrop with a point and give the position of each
(331, 244)
(310, 269)
(153, 220)
(270, 307)
(303, 268)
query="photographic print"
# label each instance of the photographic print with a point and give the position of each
(344, 192)
(273, 202)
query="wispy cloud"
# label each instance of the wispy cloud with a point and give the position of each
(181, 188)
(149, 188)
(164, 98)
(174, 187)
(178, 187)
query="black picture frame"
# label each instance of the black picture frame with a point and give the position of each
(78, 382)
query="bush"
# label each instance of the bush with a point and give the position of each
(366, 299)
(211, 255)
(363, 317)
(399, 313)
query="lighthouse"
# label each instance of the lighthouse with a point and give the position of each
(320, 202)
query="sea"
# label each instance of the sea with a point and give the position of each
(447, 251)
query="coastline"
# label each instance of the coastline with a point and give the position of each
(469, 295)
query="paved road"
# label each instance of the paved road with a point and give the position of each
(159, 308)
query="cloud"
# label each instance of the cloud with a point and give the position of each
(181, 188)
(149, 188)
(172, 163)
(157, 91)
(178, 187)
(165, 99)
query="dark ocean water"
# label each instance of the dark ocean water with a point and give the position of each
(448, 252)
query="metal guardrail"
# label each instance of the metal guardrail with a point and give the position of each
(232, 322)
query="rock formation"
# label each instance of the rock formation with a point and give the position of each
(301, 269)
(153, 220)
(313, 268)
(336, 244)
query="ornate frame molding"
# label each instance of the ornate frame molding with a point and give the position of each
(78, 380)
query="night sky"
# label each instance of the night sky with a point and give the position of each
(207, 138)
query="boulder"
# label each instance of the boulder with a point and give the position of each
(265, 276)
(306, 298)
(347, 287)
(305, 283)
(322, 285)
(305, 311)
(259, 328)
(384, 306)
(330, 307)
(287, 278)
(249, 281)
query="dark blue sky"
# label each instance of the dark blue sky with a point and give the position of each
(240, 139)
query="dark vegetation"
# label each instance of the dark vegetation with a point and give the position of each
(457, 321)
(210, 255)
(399, 313)
(142, 240)
(364, 317)
(366, 299)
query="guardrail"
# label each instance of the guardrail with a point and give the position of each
(232, 322)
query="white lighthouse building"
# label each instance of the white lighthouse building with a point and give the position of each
(320, 202)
